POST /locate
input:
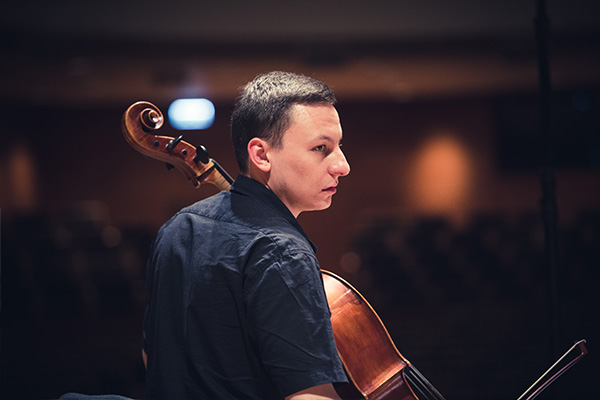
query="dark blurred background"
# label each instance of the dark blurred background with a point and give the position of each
(439, 224)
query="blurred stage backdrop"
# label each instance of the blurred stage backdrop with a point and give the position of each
(439, 223)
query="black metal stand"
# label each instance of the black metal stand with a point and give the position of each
(548, 200)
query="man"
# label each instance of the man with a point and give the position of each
(236, 306)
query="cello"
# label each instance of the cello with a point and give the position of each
(373, 364)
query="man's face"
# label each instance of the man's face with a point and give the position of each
(305, 170)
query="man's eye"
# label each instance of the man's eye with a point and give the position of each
(320, 148)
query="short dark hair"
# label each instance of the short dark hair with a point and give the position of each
(263, 108)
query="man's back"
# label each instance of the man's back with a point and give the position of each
(237, 308)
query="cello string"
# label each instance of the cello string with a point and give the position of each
(428, 391)
(418, 386)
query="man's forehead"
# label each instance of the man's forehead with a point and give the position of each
(319, 121)
(321, 112)
(299, 109)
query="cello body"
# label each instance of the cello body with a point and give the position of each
(374, 366)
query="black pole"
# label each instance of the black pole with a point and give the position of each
(548, 200)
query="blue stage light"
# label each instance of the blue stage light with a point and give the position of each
(186, 114)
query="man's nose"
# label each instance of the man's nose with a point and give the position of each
(340, 166)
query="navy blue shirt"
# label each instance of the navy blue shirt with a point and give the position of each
(237, 308)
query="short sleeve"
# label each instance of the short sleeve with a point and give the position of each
(289, 321)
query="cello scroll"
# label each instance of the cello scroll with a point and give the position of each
(139, 122)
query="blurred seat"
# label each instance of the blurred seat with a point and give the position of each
(80, 396)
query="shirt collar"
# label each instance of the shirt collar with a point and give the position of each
(249, 187)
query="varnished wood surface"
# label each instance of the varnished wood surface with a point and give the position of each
(371, 359)
(138, 123)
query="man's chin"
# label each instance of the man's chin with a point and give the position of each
(321, 207)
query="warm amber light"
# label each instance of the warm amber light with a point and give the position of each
(441, 180)
(22, 178)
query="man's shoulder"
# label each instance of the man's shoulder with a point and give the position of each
(201, 212)
(209, 206)
(226, 208)
(228, 213)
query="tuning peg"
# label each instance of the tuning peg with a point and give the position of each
(201, 155)
(174, 142)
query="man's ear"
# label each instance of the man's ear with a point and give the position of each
(258, 154)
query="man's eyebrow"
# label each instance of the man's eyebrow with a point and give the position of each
(329, 138)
